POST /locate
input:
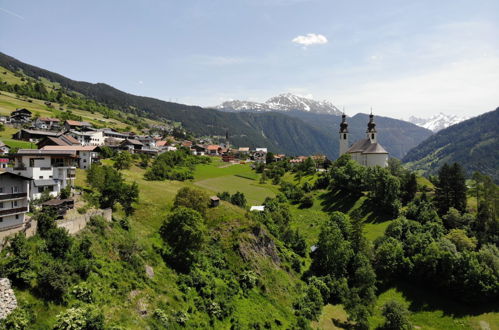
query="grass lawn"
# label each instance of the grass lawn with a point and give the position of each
(432, 311)
(218, 177)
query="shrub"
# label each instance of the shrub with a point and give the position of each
(80, 318)
(396, 316)
(192, 198)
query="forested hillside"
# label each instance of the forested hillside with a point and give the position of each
(473, 143)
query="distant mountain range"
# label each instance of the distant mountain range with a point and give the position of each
(437, 122)
(474, 143)
(284, 103)
(304, 132)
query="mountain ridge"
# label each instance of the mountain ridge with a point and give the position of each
(438, 122)
(474, 143)
(284, 102)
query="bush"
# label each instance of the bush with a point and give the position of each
(53, 281)
(238, 199)
(58, 242)
(80, 318)
(396, 316)
(192, 198)
(185, 233)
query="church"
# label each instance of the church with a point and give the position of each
(367, 152)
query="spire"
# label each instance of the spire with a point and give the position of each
(371, 126)
(344, 124)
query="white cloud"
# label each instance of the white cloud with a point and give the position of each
(140, 82)
(310, 39)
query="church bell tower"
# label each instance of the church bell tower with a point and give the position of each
(343, 135)
(372, 135)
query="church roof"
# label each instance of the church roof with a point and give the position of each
(375, 148)
(360, 146)
(366, 147)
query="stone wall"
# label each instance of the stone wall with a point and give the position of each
(73, 222)
(8, 301)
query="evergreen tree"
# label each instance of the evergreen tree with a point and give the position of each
(450, 189)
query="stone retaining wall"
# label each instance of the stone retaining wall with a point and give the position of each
(74, 222)
(8, 301)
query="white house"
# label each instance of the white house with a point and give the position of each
(88, 138)
(51, 170)
(85, 155)
(367, 152)
(14, 200)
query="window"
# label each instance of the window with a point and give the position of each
(1, 205)
(372, 136)
(40, 177)
(15, 189)
(344, 136)
(14, 204)
(17, 216)
(1, 190)
(1, 219)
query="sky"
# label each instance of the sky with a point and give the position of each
(399, 57)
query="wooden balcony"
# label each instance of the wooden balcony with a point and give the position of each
(13, 211)
(13, 196)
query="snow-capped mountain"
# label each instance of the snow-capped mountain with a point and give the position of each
(282, 102)
(438, 121)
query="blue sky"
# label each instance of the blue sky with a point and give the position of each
(400, 57)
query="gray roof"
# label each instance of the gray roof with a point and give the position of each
(41, 183)
(360, 145)
(375, 148)
(47, 133)
(366, 147)
(27, 152)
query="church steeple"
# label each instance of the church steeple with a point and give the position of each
(343, 134)
(371, 129)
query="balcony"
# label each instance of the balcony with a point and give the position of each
(13, 196)
(13, 211)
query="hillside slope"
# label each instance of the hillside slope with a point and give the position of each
(473, 143)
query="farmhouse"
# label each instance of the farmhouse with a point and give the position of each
(61, 140)
(367, 152)
(20, 116)
(33, 135)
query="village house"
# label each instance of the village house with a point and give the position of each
(14, 200)
(32, 135)
(61, 140)
(88, 137)
(86, 155)
(199, 150)
(115, 136)
(76, 125)
(367, 152)
(131, 145)
(4, 149)
(51, 170)
(20, 116)
(47, 123)
(213, 150)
